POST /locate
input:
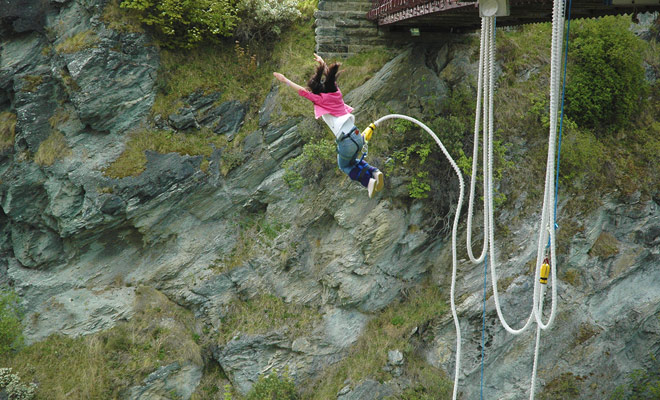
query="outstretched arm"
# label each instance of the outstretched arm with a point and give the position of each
(286, 80)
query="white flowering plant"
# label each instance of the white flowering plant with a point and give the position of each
(264, 19)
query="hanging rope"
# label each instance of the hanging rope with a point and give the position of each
(484, 117)
(561, 124)
(483, 329)
(454, 231)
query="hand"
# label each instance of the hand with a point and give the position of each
(280, 77)
(318, 59)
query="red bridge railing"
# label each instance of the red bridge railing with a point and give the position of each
(387, 10)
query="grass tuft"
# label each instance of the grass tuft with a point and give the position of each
(120, 21)
(77, 42)
(7, 130)
(52, 149)
(264, 313)
(133, 160)
(32, 82)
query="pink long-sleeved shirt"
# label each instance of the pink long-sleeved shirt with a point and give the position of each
(327, 103)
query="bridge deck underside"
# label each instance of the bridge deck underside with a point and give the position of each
(466, 17)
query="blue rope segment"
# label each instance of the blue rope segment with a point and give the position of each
(561, 118)
(563, 95)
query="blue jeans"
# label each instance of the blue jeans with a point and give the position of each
(347, 151)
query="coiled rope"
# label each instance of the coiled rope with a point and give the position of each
(546, 232)
(485, 93)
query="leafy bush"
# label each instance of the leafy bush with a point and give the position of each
(564, 386)
(273, 387)
(11, 329)
(13, 387)
(316, 158)
(262, 19)
(605, 83)
(642, 385)
(185, 23)
(581, 155)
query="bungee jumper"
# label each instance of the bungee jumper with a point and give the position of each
(323, 91)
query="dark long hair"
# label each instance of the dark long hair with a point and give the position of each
(324, 79)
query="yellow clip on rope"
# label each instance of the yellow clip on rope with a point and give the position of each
(368, 131)
(545, 271)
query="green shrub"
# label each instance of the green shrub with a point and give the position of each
(185, 23)
(563, 387)
(581, 155)
(273, 387)
(14, 388)
(641, 384)
(419, 186)
(11, 328)
(265, 19)
(605, 83)
(315, 158)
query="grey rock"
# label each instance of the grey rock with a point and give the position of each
(227, 118)
(34, 107)
(183, 120)
(274, 132)
(20, 56)
(162, 171)
(112, 204)
(270, 105)
(252, 142)
(393, 86)
(394, 357)
(342, 328)
(116, 89)
(35, 247)
(77, 311)
(286, 146)
(368, 390)
(202, 103)
(19, 16)
(167, 381)
(247, 357)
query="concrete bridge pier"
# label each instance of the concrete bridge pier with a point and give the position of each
(343, 30)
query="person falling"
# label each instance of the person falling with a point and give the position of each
(329, 104)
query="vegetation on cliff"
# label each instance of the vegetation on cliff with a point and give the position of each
(623, 143)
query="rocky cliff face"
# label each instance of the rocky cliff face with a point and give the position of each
(75, 244)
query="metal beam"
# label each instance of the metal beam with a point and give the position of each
(453, 15)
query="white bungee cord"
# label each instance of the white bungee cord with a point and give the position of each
(454, 231)
(546, 232)
(485, 94)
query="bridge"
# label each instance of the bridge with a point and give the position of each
(461, 16)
